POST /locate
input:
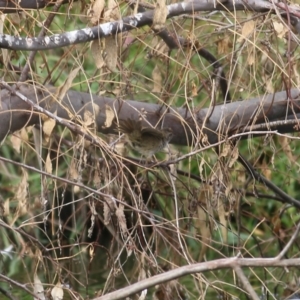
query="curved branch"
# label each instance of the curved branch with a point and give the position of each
(225, 120)
(260, 178)
(8, 6)
(129, 23)
(224, 263)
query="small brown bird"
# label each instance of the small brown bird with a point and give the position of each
(146, 140)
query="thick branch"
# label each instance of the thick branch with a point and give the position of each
(9, 6)
(129, 23)
(224, 120)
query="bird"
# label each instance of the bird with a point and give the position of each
(145, 140)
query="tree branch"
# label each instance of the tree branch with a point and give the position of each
(16, 6)
(129, 23)
(226, 119)
(218, 264)
(247, 286)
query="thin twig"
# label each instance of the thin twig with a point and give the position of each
(177, 217)
(19, 285)
(287, 198)
(42, 33)
(289, 244)
(7, 294)
(273, 124)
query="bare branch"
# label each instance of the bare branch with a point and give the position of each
(127, 24)
(246, 283)
(219, 264)
(289, 244)
(47, 23)
(15, 6)
(17, 284)
(73, 127)
(225, 120)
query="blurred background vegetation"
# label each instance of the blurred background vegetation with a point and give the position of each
(88, 252)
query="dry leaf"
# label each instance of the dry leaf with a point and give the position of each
(73, 172)
(106, 213)
(228, 190)
(48, 126)
(85, 11)
(109, 116)
(38, 141)
(268, 84)
(97, 179)
(93, 218)
(201, 169)
(158, 48)
(203, 224)
(157, 80)
(122, 220)
(96, 11)
(96, 109)
(111, 4)
(224, 44)
(112, 43)
(280, 29)
(247, 30)
(91, 252)
(285, 143)
(265, 167)
(251, 58)
(48, 164)
(226, 150)
(15, 139)
(21, 194)
(234, 156)
(160, 15)
(24, 134)
(108, 210)
(38, 288)
(6, 206)
(57, 292)
(111, 57)
(112, 13)
(16, 18)
(194, 89)
(113, 7)
(88, 118)
(62, 90)
(97, 53)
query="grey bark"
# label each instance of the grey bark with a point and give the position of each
(132, 22)
(223, 120)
